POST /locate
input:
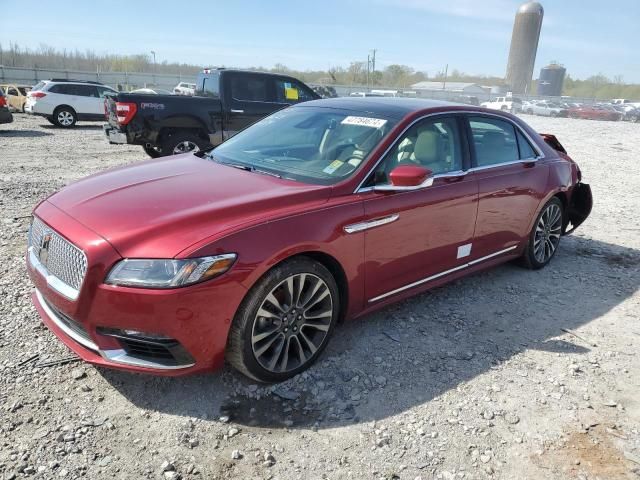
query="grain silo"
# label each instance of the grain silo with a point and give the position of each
(551, 80)
(524, 44)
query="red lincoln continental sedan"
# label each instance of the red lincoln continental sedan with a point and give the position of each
(326, 210)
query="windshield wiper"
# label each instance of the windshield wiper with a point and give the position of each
(249, 168)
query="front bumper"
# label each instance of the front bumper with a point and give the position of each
(114, 135)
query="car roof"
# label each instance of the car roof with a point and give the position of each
(388, 106)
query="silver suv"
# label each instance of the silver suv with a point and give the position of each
(64, 102)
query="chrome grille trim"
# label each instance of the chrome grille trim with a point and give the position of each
(62, 264)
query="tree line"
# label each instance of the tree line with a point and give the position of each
(356, 73)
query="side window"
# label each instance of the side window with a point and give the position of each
(250, 88)
(61, 88)
(86, 90)
(434, 144)
(12, 91)
(289, 91)
(526, 150)
(494, 141)
(104, 91)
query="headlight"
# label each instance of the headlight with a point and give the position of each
(170, 273)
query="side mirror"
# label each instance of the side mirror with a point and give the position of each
(407, 177)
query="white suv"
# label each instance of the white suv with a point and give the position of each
(184, 88)
(64, 102)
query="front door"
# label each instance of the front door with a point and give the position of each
(420, 235)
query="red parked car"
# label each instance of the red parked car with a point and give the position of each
(323, 211)
(595, 112)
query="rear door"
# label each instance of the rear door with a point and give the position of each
(511, 179)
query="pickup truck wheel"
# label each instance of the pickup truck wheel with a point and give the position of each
(285, 321)
(153, 152)
(64, 117)
(545, 236)
(178, 143)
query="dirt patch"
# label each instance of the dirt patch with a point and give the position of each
(591, 453)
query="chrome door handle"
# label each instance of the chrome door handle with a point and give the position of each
(237, 111)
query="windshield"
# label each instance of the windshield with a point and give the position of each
(308, 144)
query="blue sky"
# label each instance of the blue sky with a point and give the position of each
(587, 36)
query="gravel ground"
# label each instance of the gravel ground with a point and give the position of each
(505, 374)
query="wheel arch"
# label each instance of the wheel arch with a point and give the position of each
(328, 261)
(64, 105)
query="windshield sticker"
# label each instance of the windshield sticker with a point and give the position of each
(333, 166)
(364, 121)
(355, 161)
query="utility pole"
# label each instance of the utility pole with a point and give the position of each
(446, 70)
(368, 65)
(373, 61)
(154, 67)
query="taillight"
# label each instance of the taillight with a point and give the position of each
(3, 101)
(37, 94)
(125, 112)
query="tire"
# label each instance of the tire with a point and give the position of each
(544, 238)
(183, 142)
(153, 152)
(530, 111)
(504, 108)
(268, 347)
(50, 120)
(64, 117)
(553, 114)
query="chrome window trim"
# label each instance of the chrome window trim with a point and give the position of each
(442, 274)
(52, 281)
(534, 145)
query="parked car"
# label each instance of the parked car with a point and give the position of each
(546, 109)
(323, 211)
(185, 88)
(226, 102)
(16, 95)
(325, 91)
(152, 91)
(63, 102)
(595, 112)
(506, 104)
(5, 114)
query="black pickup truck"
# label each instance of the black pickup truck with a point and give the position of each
(226, 101)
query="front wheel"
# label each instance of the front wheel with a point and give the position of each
(285, 321)
(183, 142)
(545, 236)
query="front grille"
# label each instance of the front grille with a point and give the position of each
(61, 258)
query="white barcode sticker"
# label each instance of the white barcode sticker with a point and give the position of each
(364, 121)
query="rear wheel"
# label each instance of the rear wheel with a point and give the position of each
(285, 321)
(183, 142)
(545, 236)
(64, 117)
(50, 120)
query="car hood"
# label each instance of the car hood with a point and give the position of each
(159, 208)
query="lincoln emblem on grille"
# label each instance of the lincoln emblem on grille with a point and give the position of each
(43, 250)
